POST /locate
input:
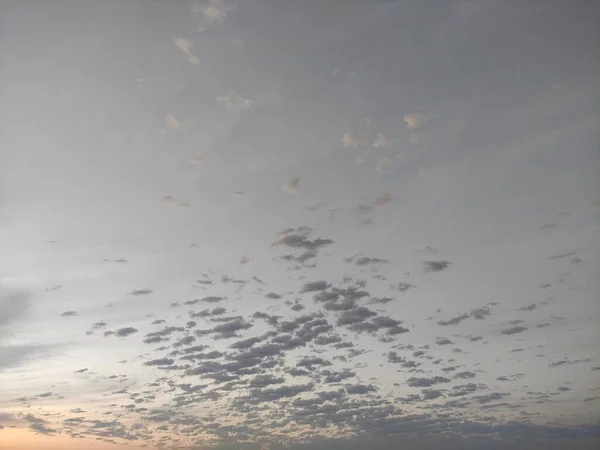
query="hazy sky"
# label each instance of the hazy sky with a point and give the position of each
(301, 224)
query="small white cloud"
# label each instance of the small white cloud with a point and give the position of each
(314, 207)
(172, 122)
(383, 199)
(418, 137)
(352, 140)
(195, 160)
(291, 186)
(235, 102)
(383, 141)
(213, 11)
(382, 165)
(416, 119)
(236, 42)
(185, 45)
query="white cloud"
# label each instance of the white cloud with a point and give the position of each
(195, 160)
(291, 186)
(383, 141)
(235, 102)
(416, 119)
(352, 140)
(185, 45)
(172, 122)
(382, 165)
(383, 199)
(418, 137)
(213, 11)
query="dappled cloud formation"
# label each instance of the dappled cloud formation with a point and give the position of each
(300, 225)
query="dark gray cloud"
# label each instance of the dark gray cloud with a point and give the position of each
(159, 362)
(138, 292)
(530, 307)
(435, 266)
(454, 320)
(514, 330)
(562, 255)
(568, 362)
(480, 313)
(123, 332)
(365, 260)
(300, 241)
(380, 300)
(212, 299)
(314, 286)
(426, 382)
(355, 315)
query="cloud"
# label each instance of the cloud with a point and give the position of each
(365, 260)
(352, 140)
(172, 122)
(39, 425)
(235, 102)
(383, 199)
(212, 299)
(69, 314)
(291, 186)
(196, 160)
(54, 288)
(380, 300)
(568, 362)
(138, 292)
(212, 12)
(186, 46)
(383, 141)
(299, 241)
(480, 313)
(362, 210)
(530, 307)
(382, 165)
(416, 119)
(314, 207)
(453, 321)
(426, 382)
(123, 332)
(561, 255)
(514, 330)
(159, 362)
(435, 266)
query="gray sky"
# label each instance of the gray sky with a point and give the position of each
(308, 224)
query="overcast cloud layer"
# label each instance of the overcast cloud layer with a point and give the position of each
(299, 224)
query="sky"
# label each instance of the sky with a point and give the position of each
(308, 224)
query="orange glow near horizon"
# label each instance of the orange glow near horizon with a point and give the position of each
(23, 439)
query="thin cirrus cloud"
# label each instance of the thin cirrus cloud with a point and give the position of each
(417, 279)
